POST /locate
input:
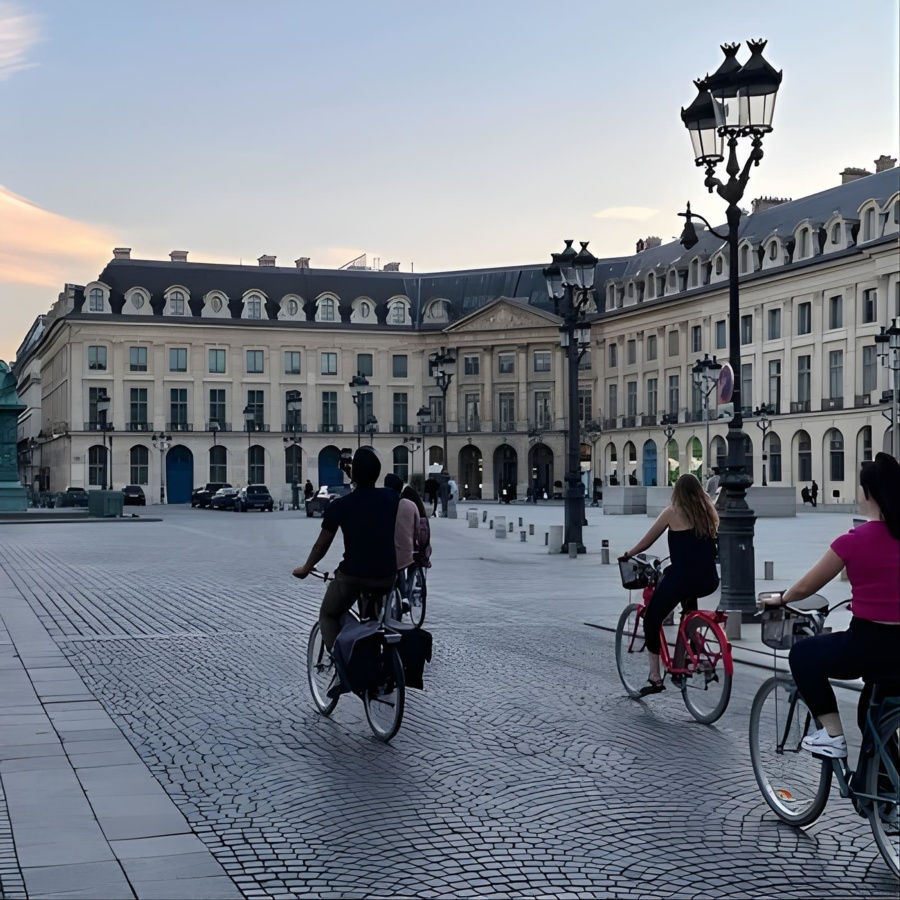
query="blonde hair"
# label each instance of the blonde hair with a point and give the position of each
(693, 503)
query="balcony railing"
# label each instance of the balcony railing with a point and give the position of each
(179, 426)
(832, 403)
(800, 406)
(469, 425)
(629, 421)
(293, 428)
(138, 426)
(330, 428)
(221, 426)
(862, 400)
(401, 428)
(503, 426)
(611, 424)
(433, 427)
(96, 426)
(694, 415)
(648, 420)
(257, 426)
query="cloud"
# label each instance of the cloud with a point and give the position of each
(19, 32)
(43, 248)
(632, 213)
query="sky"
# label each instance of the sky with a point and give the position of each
(440, 135)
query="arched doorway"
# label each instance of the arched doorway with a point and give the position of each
(629, 463)
(506, 469)
(471, 468)
(649, 466)
(612, 463)
(435, 456)
(179, 474)
(864, 444)
(718, 453)
(97, 466)
(218, 464)
(672, 461)
(400, 462)
(293, 464)
(540, 465)
(803, 454)
(329, 466)
(256, 465)
(695, 457)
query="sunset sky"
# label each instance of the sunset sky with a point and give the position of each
(440, 135)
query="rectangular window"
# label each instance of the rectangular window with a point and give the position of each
(472, 365)
(542, 418)
(291, 362)
(401, 412)
(804, 318)
(217, 411)
(541, 360)
(774, 400)
(217, 361)
(696, 338)
(256, 405)
(631, 398)
(436, 405)
(613, 355)
(652, 396)
(747, 385)
(804, 376)
(673, 395)
(96, 417)
(137, 413)
(178, 407)
(836, 452)
(400, 365)
(507, 406)
(585, 407)
(328, 363)
(137, 359)
(506, 363)
(673, 343)
(721, 337)
(747, 330)
(631, 352)
(870, 306)
(651, 347)
(613, 405)
(869, 369)
(836, 374)
(97, 358)
(254, 361)
(329, 409)
(774, 319)
(139, 465)
(473, 418)
(178, 359)
(364, 364)
(836, 312)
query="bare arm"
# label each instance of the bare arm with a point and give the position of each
(656, 530)
(319, 549)
(828, 567)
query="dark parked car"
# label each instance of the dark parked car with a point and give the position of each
(315, 506)
(72, 496)
(224, 498)
(254, 496)
(134, 495)
(202, 495)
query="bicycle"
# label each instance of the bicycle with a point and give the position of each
(702, 668)
(384, 703)
(415, 593)
(794, 782)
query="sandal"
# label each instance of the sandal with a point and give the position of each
(652, 687)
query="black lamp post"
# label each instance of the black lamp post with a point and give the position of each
(249, 422)
(888, 347)
(103, 407)
(162, 442)
(424, 417)
(592, 430)
(734, 102)
(763, 424)
(214, 428)
(570, 284)
(371, 428)
(706, 375)
(443, 368)
(359, 381)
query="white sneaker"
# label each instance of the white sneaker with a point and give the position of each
(821, 743)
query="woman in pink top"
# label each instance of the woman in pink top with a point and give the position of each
(870, 647)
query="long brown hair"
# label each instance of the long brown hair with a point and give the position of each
(693, 503)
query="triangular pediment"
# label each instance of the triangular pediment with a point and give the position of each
(502, 314)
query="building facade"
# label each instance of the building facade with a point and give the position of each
(214, 357)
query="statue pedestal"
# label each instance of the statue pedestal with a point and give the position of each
(12, 497)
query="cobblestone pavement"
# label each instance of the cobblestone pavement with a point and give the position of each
(522, 768)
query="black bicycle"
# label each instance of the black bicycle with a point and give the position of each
(794, 782)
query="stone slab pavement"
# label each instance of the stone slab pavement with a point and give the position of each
(522, 769)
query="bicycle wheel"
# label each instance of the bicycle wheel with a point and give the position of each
(320, 671)
(793, 782)
(384, 704)
(707, 689)
(418, 591)
(884, 815)
(632, 659)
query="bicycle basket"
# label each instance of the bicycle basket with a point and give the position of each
(635, 574)
(781, 631)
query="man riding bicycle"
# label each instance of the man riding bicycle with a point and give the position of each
(366, 518)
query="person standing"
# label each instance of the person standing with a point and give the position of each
(308, 490)
(431, 495)
(295, 493)
(814, 493)
(444, 494)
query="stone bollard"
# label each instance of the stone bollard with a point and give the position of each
(451, 509)
(522, 536)
(733, 624)
(556, 539)
(510, 527)
(484, 516)
(769, 568)
(546, 539)
(573, 550)
(500, 527)
(531, 529)
(520, 521)
(491, 524)
(604, 553)
(472, 517)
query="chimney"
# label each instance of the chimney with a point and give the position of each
(391, 267)
(178, 255)
(761, 204)
(883, 163)
(639, 246)
(852, 174)
(267, 261)
(651, 242)
(302, 262)
(121, 252)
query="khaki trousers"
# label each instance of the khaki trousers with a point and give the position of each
(340, 596)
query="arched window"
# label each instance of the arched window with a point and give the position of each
(293, 464)
(804, 457)
(97, 466)
(139, 465)
(718, 265)
(253, 307)
(398, 313)
(836, 454)
(865, 435)
(137, 301)
(365, 310)
(695, 272)
(176, 303)
(293, 307)
(672, 282)
(836, 233)
(773, 250)
(327, 309)
(774, 444)
(651, 286)
(218, 464)
(897, 212)
(216, 303)
(745, 259)
(400, 460)
(256, 469)
(95, 300)
(869, 228)
(804, 244)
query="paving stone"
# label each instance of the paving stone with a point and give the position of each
(81, 876)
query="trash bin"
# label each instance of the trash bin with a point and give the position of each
(105, 504)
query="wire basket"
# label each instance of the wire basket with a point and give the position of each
(781, 630)
(635, 574)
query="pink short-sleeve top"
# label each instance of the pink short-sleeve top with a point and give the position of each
(872, 559)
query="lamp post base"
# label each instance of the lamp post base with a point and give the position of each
(574, 508)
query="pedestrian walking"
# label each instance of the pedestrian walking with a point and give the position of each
(444, 495)
(308, 490)
(814, 493)
(431, 495)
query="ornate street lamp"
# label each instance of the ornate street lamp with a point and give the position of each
(570, 285)
(359, 381)
(706, 376)
(887, 345)
(443, 368)
(741, 99)
(162, 442)
(103, 407)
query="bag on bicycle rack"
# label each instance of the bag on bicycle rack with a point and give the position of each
(358, 655)
(415, 650)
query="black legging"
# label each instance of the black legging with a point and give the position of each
(865, 650)
(679, 584)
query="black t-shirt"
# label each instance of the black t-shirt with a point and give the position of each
(366, 517)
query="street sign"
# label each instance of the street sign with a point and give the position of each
(725, 384)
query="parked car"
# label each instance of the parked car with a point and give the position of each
(254, 496)
(315, 506)
(224, 498)
(134, 495)
(72, 496)
(202, 495)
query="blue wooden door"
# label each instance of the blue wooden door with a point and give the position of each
(329, 466)
(179, 475)
(649, 464)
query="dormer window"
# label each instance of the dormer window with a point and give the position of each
(176, 303)
(254, 307)
(216, 304)
(745, 259)
(869, 227)
(398, 314)
(836, 233)
(804, 244)
(719, 265)
(293, 307)
(137, 299)
(773, 250)
(672, 282)
(365, 310)
(95, 300)
(327, 309)
(651, 286)
(631, 290)
(695, 272)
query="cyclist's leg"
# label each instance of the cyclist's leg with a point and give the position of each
(666, 597)
(340, 595)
